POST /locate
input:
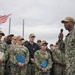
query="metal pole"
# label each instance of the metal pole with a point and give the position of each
(9, 25)
(23, 29)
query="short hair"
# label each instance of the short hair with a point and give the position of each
(38, 40)
(51, 45)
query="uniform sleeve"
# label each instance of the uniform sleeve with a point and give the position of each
(72, 44)
(56, 60)
(49, 62)
(27, 56)
(36, 59)
(5, 52)
(12, 56)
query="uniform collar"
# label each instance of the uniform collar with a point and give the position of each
(70, 32)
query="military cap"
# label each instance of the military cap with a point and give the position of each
(2, 33)
(19, 38)
(25, 41)
(44, 42)
(14, 37)
(10, 35)
(67, 19)
(31, 35)
(38, 40)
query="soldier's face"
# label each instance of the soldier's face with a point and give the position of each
(43, 47)
(39, 43)
(14, 41)
(19, 42)
(32, 39)
(52, 47)
(68, 25)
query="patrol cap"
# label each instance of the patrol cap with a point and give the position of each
(2, 33)
(24, 41)
(19, 38)
(44, 42)
(67, 19)
(38, 40)
(32, 35)
(10, 35)
(14, 37)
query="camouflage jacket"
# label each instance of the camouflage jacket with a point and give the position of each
(70, 45)
(15, 50)
(3, 48)
(58, 56)
(39, 56)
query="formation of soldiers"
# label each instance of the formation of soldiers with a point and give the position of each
(59, 59)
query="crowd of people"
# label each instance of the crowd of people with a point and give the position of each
(58, 59)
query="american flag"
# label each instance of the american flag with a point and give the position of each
(4, 18)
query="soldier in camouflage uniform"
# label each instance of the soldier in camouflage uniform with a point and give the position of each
(70, 45)
(59, 56)
(12, 46)
(39, 56)
(3, 50)
(59, 61)
(18, 68)
(7, 39)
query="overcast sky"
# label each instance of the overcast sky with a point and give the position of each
(42, 17)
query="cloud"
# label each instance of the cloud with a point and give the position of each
(42, 17)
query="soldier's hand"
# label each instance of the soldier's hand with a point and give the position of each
(20, 64)
(60, 36)
(32, 59)
(43, 70)
(62, 63)
(1, 60)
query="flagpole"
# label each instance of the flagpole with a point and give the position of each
(23, 29)
(9, 25)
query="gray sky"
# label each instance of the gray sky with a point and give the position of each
(42, 17)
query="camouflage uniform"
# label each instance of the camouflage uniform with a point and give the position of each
(58, 56)
(3, 48)
(8, 65)
(70, 52)
(39, 56)
(15, 69)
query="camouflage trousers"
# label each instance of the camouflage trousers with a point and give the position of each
(2, 70)
(70, 68)
(58, 70)
(18, 70)
(30, 69)
(70, 71)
